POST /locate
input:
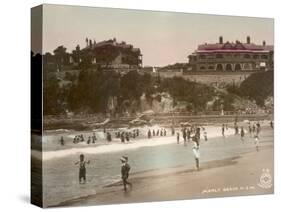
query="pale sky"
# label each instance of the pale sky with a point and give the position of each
(163, 37)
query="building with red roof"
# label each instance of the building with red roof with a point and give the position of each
(232, 56)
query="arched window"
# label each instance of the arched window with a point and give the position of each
(219, 67)
(237, 67)
(247, 66)
(228, 67)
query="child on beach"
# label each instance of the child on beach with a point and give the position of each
(125, 169)
(178, 137)
(82, 168)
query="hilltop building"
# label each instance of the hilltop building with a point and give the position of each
(108, 53)
(232, 57)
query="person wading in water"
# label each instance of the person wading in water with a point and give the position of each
(125, 169)
(82, 168)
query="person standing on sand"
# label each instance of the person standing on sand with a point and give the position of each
(250, 130)
(108, 136)
(178, 137)
(82, 168)
(205, 135)
(149, 134)
(242, 133)
(127, 137)
(122, 137)
(125, 169)
(257, 142)
(222, 130)
(197, 133)
(61, 141)
(184, 136)
(195, 150)
(254, 128)
(188, 132)
(258, 128)
(89, 140)
(94, 138)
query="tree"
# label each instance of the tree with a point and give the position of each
(60, 55)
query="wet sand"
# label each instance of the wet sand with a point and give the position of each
(234, 176)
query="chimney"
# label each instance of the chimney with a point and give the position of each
(248, 40)
(221, 40)
(264, 43)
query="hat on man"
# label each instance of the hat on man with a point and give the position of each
(124, 159)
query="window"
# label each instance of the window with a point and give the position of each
(202, 56)
(219, 67)
(256, 56)
(219, 56)
(247, 56)
(237, 67)
(228, 67)
(264, 56)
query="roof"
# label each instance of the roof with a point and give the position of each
(237, 47)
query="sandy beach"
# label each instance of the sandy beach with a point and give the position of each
(238, 172)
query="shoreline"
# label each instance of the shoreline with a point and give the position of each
(88, 123)
(117, 146)
(148, 167)
(144, 192)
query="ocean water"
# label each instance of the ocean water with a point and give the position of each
(61, 174)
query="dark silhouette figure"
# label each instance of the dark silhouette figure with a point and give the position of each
(82, 168)
(125, 169)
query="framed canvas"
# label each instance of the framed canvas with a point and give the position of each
(137, 106)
